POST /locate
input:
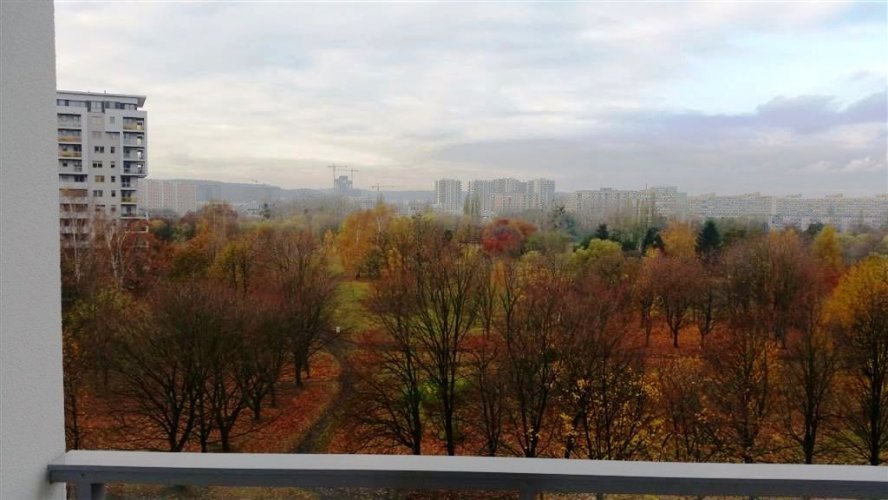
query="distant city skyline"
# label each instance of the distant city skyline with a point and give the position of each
(729, 98)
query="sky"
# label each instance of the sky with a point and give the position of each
(777, 98)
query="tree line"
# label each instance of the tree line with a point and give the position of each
(710, 343)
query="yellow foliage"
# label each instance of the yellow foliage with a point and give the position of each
(827, 251)
(679, 240)
(862, 294)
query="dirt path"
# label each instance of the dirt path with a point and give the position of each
(317, 438)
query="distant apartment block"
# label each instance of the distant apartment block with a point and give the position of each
(162, 195)
(836, 210)
(448, 196)
(508, 195)
(102, 154)
(541, 193)
(609, 205)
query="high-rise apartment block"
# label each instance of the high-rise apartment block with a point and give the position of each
(157, 195)
(102, 145)
(448, 196)
(541, 193)
(509, 195)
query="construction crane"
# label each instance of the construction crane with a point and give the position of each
(334, 167)
(352, 170)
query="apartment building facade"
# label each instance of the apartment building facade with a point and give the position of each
(509, 195)
(541, 193)
(448, 196)
(102, 154)
(159, 195)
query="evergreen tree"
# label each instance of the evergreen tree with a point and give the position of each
(709, 241)
(651, 239)
(601, 233)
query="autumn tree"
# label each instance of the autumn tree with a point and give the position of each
(360, 242)
(487, 399)
(828, 253)
(644, 295)
(675, 282)
(506, 237)
(157, 365)
(742, 361)
(858, 313)
(235, 263)
(689, 432)
(786, 280)
(446, 287)
(603, 399)
(391, 403)
(809, 379)
(297, 265)
(534, 332)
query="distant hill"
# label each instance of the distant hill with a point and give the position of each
(234, 192)
(237, 192)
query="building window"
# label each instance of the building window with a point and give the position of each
(97, 193)
(95, 121)
(113, 179)
(112, 150)
(96, 135)
(99, 149)
(113, 194)
(97, 164)
(112, 119)
(113, 164)
(99, 178)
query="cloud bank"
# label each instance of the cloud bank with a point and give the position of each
(777, 97)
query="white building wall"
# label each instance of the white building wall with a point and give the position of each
(32, 426)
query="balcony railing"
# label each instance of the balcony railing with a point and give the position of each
(69, 154)
(89, 471)
(127, 199)
(133, 126)
(69, 138)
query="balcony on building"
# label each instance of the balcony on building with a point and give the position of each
(69, 121)
(137, 140)
(133, 153)
(128, 197)
(133, 168)
(69, 151)
(71, 165)
(69, 136)
(131, 124)
(72, 181)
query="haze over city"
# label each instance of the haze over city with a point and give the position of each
(708, 97)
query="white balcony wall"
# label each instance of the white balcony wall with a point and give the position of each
(32, 428)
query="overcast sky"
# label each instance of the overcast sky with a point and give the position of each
(779, 98)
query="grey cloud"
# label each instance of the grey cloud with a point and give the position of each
(442, 88)
(802, 114)
(798, 144)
